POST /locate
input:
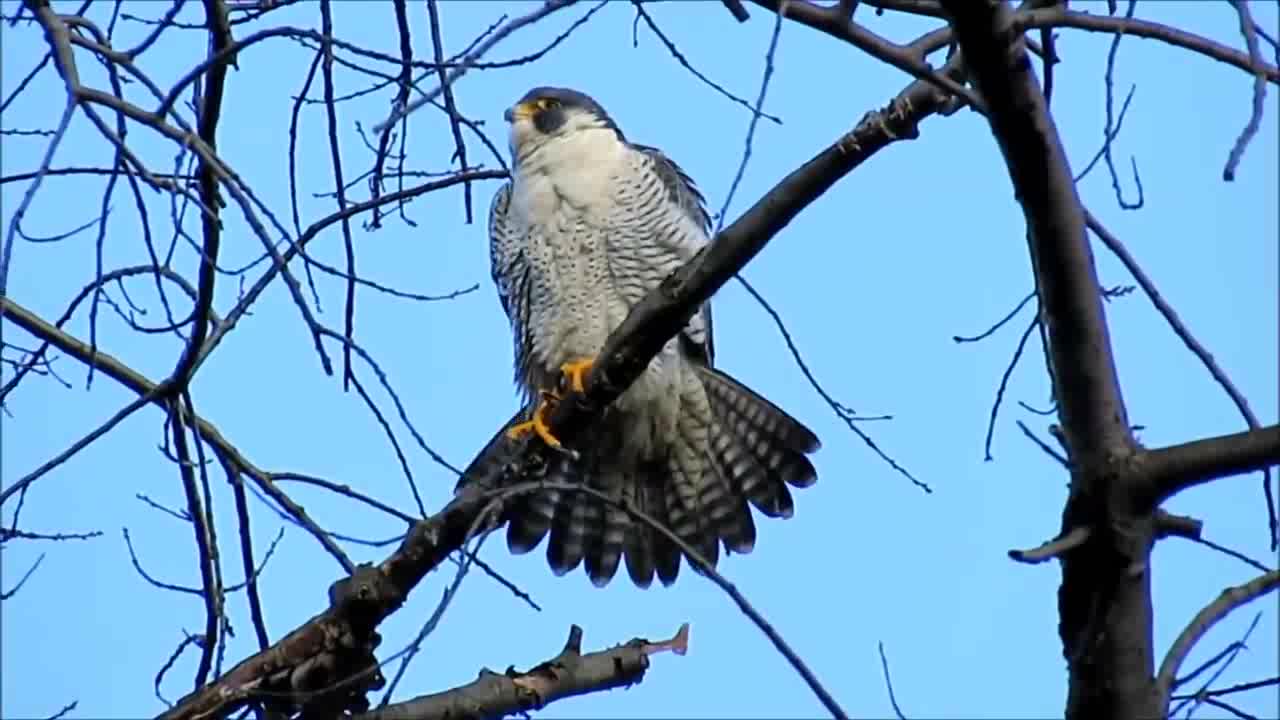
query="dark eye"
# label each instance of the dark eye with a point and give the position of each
(548, 103)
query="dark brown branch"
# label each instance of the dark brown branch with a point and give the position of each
(1229, 600)
(1104, 601)
(1178, 467)
(568, 674)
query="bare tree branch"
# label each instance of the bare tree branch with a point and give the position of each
(1166, 310)
(1058, 16)
(1229, 600)
(1104, 601)
(568, 674)
(1178, 467)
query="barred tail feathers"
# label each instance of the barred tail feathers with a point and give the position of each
(732, 448)
(758, 446)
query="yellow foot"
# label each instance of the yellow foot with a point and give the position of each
(539, 423)
(576, 371)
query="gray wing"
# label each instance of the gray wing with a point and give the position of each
(683, 195)
(510, 269)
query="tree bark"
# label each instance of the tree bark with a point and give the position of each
(1104, 601)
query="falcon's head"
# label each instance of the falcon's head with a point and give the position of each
(548, 114)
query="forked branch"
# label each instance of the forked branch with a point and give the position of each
(1229, 600)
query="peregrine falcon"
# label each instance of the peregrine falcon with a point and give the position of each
(588, 224)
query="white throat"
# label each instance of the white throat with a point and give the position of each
(577, 169)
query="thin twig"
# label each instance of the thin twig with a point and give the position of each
(1248, 30)
(888, 683)
(1229, 600)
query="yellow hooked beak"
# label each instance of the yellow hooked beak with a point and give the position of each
(520, 111)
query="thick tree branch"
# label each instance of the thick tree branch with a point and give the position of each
(1229, 600)
(336, 645)
(1178, 467)
(1086, 385)
(1104, 600)
(568, 674)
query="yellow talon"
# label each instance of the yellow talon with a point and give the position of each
(576, 371)
(539, 423)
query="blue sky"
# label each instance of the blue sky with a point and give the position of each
(922, 243)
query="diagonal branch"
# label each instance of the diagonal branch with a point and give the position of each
(1229, 600)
